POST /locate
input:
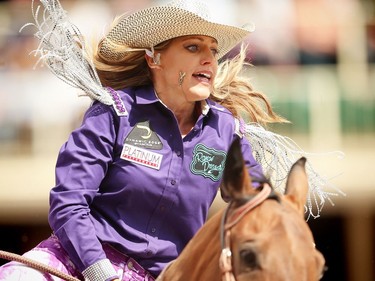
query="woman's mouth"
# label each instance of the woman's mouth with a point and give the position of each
(203, 76)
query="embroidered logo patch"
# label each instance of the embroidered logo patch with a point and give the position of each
(208, 162)
(143, 136)
(141, 156)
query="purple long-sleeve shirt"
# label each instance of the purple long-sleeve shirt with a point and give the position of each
(135, 183)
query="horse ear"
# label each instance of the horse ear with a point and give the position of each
(236, 179)
(297, 185)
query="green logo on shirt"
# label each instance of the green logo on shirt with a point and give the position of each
(208, 162)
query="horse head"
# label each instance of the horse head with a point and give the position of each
(271, 239)
(259, 236)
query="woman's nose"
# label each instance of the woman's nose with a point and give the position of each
(208, 57)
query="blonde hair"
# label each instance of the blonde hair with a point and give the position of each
(231, 90)
(234, 91)
(130, 70)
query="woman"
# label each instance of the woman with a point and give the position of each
(135, 181)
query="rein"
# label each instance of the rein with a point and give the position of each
(227, 223)
(36, 265)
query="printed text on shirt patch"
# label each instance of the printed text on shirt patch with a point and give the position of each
(141, 156)
(208, 162)
(137, 144)
(143, 136)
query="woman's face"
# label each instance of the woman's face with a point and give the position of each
(195, 57)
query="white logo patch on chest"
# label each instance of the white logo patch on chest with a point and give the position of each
(141, 156)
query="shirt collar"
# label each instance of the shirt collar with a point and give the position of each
(145, 95)
(205, 107)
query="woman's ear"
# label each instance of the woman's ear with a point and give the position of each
(153, 61)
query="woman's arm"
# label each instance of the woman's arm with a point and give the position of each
(81, 166)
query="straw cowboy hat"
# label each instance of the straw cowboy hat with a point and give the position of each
(149, 27)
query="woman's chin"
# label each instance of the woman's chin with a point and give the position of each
(200, 92)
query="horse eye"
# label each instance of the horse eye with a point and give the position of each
(249, 259)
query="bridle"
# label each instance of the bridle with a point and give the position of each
(228, 222)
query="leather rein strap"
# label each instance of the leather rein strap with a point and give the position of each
(229, 222)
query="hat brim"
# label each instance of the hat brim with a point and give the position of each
(152, 26)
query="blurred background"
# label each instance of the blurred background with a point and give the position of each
(315, 59)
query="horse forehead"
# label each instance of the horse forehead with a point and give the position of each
(276, 220)
(276, 230)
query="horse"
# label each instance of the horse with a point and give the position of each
(259, 236)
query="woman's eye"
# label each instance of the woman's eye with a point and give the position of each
(192, 48)
(215, 52)
(195, 48)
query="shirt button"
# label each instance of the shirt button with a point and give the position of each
(130, 265)
(178, 153)
(173, 182)
(162, 208)
(153, 230)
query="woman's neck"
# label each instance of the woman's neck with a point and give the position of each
(186, 113)
(186, 117)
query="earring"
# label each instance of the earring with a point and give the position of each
(151, 54)
(156, 59)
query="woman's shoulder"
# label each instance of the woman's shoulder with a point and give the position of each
(220, 117)
(226, 117)
(124, 94)
(121, 99)
(219, 110)
(141, 94)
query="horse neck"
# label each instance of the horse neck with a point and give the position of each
(200, 258)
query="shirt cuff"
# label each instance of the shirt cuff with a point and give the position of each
(100, 271)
